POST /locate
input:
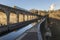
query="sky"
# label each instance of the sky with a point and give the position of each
(32, 4)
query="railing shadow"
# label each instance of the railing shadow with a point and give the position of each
(55, 28)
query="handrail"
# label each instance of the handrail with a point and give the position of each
(9, 28)
(14, 34)
(21, 31)
(39, 28)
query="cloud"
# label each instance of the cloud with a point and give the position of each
(52, 7)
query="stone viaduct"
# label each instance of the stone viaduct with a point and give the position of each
(9, 15)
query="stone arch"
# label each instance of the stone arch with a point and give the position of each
(26, 18)
(21, 18)
(3, 17)
(13, 18)
(29, 18)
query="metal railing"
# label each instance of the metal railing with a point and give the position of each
(13, 35)
(10, 27)
(20, 25)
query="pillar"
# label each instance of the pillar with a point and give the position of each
(8, 16)
(17, 17)
(23, 17)
(27, 17)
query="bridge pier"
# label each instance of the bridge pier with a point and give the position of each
(27, 17)
(17, 17)
(8, 16)
(23, 17)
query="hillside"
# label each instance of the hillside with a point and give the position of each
(55, 14)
